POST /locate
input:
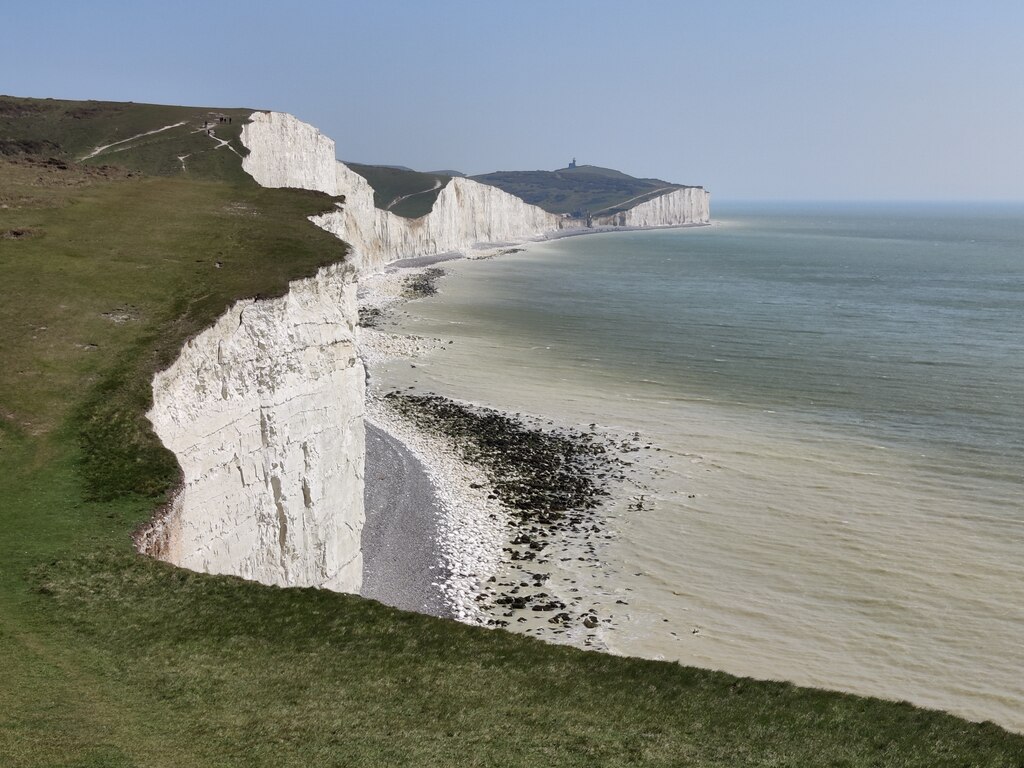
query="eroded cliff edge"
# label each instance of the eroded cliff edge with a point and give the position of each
(264, 410)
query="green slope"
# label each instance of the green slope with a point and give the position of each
(111, 659)
(580, 190)
(70, 130)
(402, 191)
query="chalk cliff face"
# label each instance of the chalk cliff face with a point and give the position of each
(465, 214)
(285, 152)
(265, 409)
(690, 205)
(264, 412)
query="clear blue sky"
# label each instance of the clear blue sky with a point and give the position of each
(808, 100)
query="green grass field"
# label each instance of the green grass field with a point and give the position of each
(110, 660)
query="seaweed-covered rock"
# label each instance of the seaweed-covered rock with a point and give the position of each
(422, 284)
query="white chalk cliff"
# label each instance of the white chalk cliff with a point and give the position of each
(689, 205)
(285, 152)
(264, 410)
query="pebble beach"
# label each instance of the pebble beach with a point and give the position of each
(516, 497)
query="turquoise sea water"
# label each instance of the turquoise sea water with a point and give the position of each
(838, 395)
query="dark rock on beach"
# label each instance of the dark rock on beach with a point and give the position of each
(370, 317)
(422, 284)
(551, 483)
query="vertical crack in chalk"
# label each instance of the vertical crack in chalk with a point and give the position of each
(307, 499)
(282, 521)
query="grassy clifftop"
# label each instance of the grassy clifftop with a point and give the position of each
(402, 191)
(109, 659)
(151, 138)
(578, 190)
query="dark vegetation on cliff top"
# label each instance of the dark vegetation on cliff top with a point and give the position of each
(580, 190)
(402, 191)
(111, 659)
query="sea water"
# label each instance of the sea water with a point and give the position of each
(834, 395)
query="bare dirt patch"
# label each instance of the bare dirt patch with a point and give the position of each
(20, 233)
(121, 315)
(51, 172)
(13, 147)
